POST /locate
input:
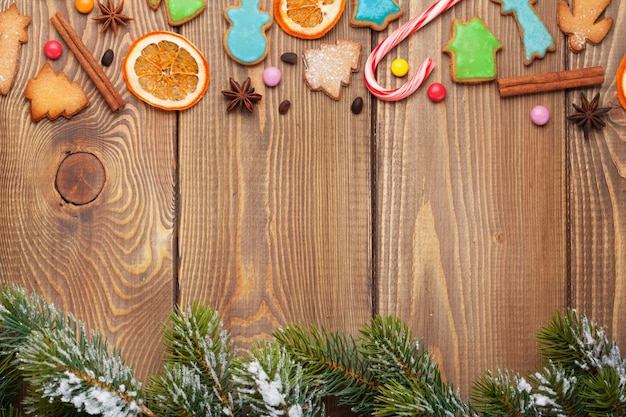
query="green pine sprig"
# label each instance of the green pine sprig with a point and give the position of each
(197, 368)
(270, 383)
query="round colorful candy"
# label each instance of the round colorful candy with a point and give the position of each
(399, 67)
(436, 92)
(540, 115)
(53, 49)
(84, 6)
(272, 76)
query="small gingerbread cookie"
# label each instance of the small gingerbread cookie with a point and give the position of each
(12, 35)
(581, 24)
(331, 66)
(245, 41)
(472, 48)
(52, 95)
(376, 14)
(154, 4)
(535, 36)
(181, 11)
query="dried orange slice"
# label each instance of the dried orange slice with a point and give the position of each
(165, 70)
(308, 19)
(620, 81)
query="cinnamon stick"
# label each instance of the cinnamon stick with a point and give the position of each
(87, 61)
(550, 81)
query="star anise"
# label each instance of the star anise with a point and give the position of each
(588, 115)
(111, 16)
(241, 95)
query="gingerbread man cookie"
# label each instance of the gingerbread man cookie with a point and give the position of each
(245, 41)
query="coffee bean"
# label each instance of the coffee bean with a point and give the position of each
(289, 58)
(107, 58)
(357, 105)
(283, 107)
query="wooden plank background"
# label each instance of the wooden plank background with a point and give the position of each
(463, 218)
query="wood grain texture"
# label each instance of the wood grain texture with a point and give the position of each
(275, 209)
(109, 261)
(471, 206)
(597, 191)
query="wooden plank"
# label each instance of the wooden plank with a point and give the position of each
(109, 261)
(275, 209)
(596, 192)
(471, 211)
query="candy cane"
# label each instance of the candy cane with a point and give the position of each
(391, 42)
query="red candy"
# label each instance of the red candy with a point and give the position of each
(436, 92)
(53, 49)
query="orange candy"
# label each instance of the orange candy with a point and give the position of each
(84, 6)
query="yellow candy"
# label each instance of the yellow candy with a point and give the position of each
(399, 67)
(84, 6)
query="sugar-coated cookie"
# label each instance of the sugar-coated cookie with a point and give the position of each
(581, 24)
(375, 14)
(472, 48)
(12, 35)
(52, 95)
(246, 41)
(331, 66)
(535, 36)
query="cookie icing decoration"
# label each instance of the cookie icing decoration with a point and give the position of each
(182, 11)
(12, 35)
(246, 41)
(331, 66)
(535, 36)
(375, 14)
(472, 47)
(581, 24)
(154, 4)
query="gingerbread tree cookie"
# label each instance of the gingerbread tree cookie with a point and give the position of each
(331, 66)
(52, 95)
(12, 35)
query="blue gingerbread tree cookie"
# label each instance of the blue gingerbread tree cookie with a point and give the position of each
(245, 41)
(375, 14)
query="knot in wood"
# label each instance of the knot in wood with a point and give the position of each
(80, 178)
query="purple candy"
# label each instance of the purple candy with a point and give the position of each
(540, 115)
(272, 76)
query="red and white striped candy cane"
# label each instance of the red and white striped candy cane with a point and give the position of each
(391, 42)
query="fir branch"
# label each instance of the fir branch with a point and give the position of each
(335, 359)
(271, 384)
(72, 369)
(199, 358)
(504, 394)
(9, 411)
(9, 381)
(604, 394)
(558, 392)
(574, 341)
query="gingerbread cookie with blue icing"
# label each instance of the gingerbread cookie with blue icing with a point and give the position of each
(375, 14)
(246, 40)
(535, 36)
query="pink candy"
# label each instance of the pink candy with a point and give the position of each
(391, 42)
(272, 76)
